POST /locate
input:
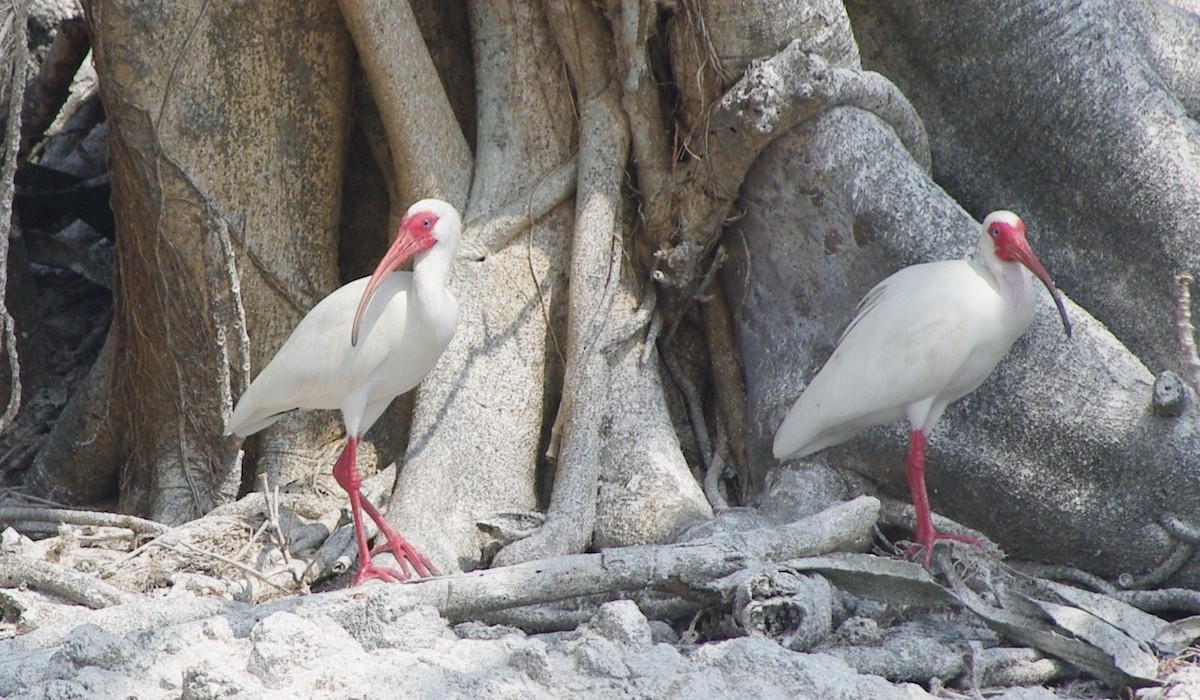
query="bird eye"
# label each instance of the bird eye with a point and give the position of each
(994, 231)
(426, 222)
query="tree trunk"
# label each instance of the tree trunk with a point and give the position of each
(203, 257)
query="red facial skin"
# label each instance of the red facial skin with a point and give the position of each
(416, 235)
(1011, 246)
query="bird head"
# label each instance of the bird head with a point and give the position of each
(1007, 233)
(426, 224)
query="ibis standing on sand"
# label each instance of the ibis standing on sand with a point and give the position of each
(925, 336)
(359, 348)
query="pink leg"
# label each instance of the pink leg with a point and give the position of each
(345, 471)
(926, 535)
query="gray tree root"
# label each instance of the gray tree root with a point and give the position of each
(430, 155)
(612, 419)
(478, 420)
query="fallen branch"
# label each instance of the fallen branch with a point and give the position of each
(901, 514)
(85, 589)
(1003, 667)
(1069, 574)
(1179, 556)
(691, 568)
(1041, 618)
(87, 518)
(1173, 600)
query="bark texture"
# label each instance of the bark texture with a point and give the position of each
(190, 117)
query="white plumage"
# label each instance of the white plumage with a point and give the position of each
(924, 337)
(317, 368)
(361, 347)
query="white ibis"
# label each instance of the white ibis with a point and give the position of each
(406, 321)
(925, 336)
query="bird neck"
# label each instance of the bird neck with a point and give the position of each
(431, 269)
(1015, 283)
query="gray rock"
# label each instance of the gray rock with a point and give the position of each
(474, 629)
(599, 657)
(209, 682)
(533, 660)
(903, 657)
(858, 631)
(760, 668)
(89, 645)
(284, 641)
(658, 660)
(383, 624)
(622, 623)
(57, 689)
(218, 630)
(662, 632)
(310, 655)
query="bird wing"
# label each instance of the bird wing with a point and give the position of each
(910, 341)
(316, 367)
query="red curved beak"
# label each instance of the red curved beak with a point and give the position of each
(410, 241)
(1021, 251)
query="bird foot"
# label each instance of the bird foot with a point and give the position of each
(408, 556)
(410, 559)
(925, 544)
(368, 571)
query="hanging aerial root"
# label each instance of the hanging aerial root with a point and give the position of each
(1185, 331)
(13, 40)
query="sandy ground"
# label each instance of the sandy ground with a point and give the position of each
(356, 645)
